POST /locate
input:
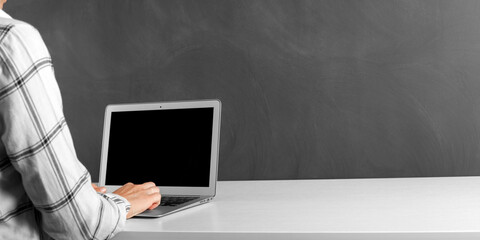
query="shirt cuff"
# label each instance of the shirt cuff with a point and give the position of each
(120, 201)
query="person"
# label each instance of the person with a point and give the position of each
(45, 192)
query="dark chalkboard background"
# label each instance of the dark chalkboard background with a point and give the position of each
(310, 89)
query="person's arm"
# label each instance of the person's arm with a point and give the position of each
(39, 145)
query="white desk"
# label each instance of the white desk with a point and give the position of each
(407, 208)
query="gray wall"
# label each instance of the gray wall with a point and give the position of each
(310, 89)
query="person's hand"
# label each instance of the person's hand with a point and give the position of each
(99, 189)
(141, 197)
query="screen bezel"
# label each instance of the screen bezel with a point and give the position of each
(168, 190)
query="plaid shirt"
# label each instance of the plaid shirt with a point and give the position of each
(44, 190)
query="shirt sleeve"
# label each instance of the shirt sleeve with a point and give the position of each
(40, 147)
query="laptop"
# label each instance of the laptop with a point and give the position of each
(173, 144)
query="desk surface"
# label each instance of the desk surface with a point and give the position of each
(397, 208)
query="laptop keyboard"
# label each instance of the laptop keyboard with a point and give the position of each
(172, 201)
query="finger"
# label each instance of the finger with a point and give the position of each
(128, 185)
(156, 201)
(153, 190)
(99, 189)
(102, 189)
(153, 206)
(148, 185)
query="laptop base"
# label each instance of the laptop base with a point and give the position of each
(161, 211)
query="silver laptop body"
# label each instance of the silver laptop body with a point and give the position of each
(173, 144)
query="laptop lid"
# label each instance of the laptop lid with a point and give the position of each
(174, 144)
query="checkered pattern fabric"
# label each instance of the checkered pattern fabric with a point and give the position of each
(45, 192)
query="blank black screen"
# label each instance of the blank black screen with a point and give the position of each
(168, 147)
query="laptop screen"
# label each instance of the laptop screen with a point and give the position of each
(170, 147)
